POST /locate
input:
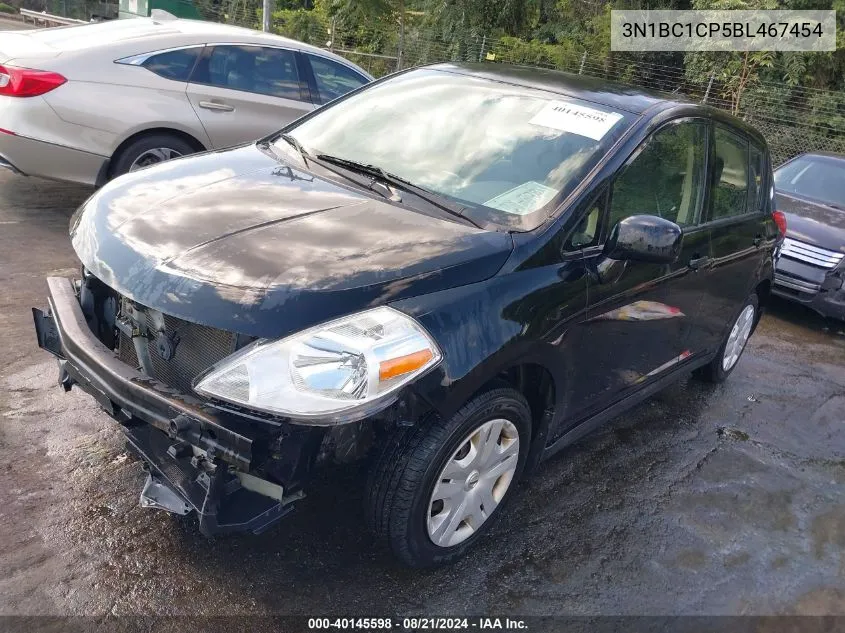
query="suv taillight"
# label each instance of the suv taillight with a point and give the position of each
(780, 220)
(25, 82)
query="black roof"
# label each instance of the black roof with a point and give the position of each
(615, 95)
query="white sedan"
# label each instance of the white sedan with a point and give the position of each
(88, 103)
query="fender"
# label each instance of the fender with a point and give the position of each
(486, 329)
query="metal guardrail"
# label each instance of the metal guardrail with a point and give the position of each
(47, 19)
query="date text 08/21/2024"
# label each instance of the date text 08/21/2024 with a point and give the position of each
(417, 624)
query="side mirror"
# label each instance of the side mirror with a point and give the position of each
(644, 238)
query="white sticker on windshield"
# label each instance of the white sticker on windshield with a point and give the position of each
(576, 119)
(523, 199)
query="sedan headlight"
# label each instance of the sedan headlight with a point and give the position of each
(326, 370)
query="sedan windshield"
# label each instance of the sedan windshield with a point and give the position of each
(507, 155)
(816, 177)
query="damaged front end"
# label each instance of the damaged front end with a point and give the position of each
(235, 472)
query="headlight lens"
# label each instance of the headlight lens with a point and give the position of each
(327, 369)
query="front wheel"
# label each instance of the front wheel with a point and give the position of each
(734, 344)
(436, 488)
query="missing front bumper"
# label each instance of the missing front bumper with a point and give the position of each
(159, 496)
(178, 485)
(194, 453)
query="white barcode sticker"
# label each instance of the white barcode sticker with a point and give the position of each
(577, 119)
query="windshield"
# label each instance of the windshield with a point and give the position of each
(815, 177)
(507, 154)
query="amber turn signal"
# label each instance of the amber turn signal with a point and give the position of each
(397, 366)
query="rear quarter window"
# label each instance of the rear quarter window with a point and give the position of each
(757, 173)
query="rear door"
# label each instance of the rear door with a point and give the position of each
(241, 92)
(737, 221)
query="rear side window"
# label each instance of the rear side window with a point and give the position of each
(334, 80)
(666, 178)
(176, 65)
(258, 69)
(730, 174)
(757, 165)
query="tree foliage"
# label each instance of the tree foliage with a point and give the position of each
(804, 89)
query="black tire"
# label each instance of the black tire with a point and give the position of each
(403, 476)
(122, 162)
(714, 371)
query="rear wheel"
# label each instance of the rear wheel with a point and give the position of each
(150, 150)
(734, 344)
(436, 488)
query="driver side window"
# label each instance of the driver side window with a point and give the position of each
(666, 178)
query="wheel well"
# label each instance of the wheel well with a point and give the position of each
(533, 381)
(193, 142)
(764, 291)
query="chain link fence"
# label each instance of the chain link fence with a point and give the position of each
(794, 119)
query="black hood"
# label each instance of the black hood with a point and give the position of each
(813, 222)
(239, 241)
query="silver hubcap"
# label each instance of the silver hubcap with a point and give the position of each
(153, 156)
(739, 336)
(473, 482)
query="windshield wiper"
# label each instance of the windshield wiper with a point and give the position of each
(377, 173)
(290, 140)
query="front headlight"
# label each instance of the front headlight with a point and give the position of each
(328, 369)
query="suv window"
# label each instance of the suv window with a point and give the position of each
(266, 71)
(334, 80)
(730, 174)
(176, 65)
(666, 178)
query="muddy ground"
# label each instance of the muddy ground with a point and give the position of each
(704, 500)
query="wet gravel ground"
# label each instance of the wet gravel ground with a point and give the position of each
(703, 500)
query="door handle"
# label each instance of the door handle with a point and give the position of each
(758, 240)
(697, 262)
(218, 107)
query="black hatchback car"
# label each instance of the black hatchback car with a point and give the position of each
(454, 272)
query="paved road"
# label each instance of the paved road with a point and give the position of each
(705, 500)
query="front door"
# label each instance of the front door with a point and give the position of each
(640, 317)
(242, 93)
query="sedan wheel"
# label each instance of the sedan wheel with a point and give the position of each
(473, 482)
(147, 150)
(153, 156)
(738, 337)
(437, 487)
(733, 345)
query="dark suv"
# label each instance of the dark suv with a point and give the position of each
(454, 272)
